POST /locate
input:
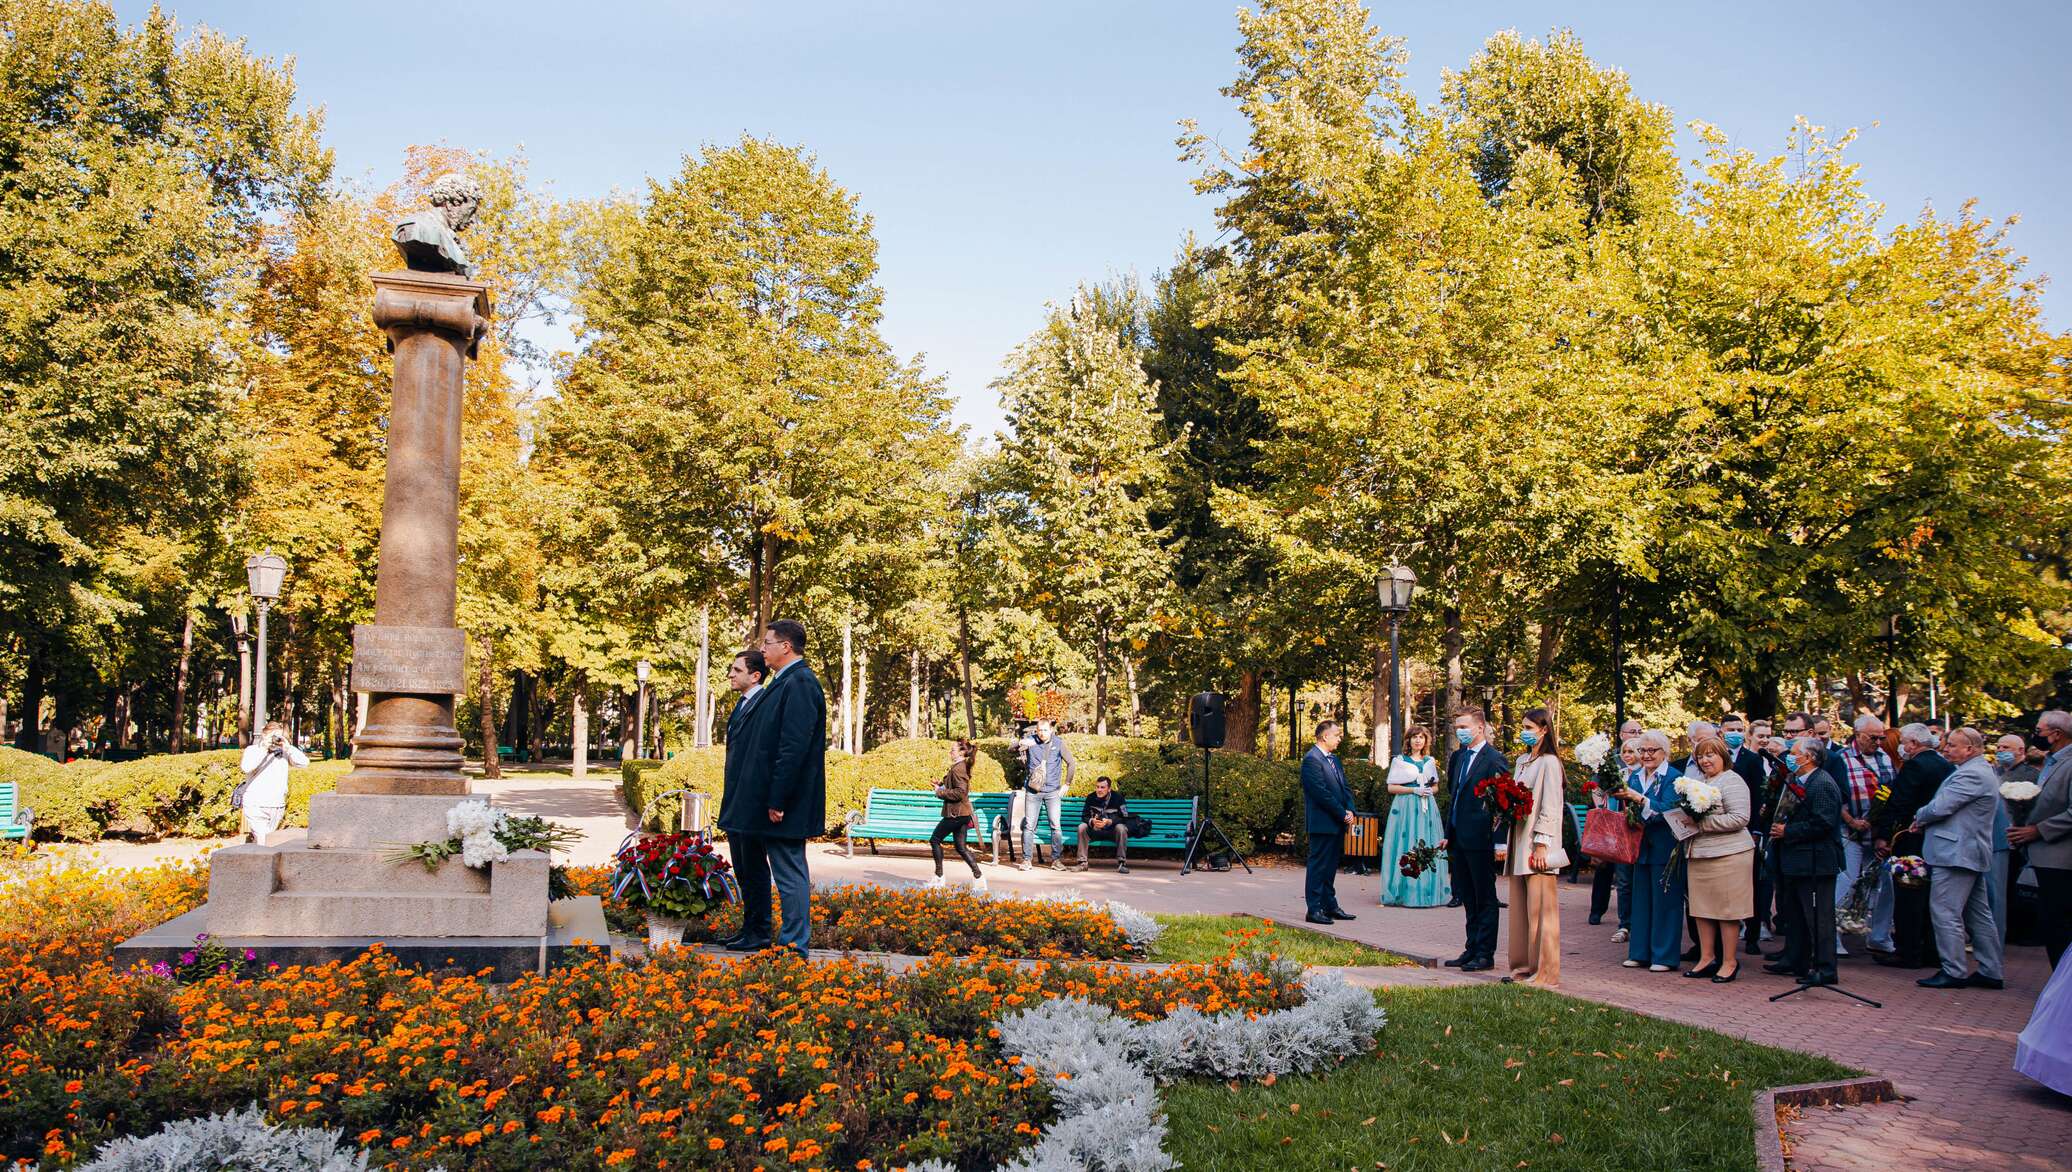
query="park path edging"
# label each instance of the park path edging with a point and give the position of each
(1849, 1092)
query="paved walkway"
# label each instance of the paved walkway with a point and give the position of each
(1950, 1053)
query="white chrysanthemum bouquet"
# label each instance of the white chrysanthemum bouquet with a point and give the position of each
(1593, 750)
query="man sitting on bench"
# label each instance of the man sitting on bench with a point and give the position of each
(1105, 815)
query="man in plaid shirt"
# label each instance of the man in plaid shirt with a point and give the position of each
(1867, 781)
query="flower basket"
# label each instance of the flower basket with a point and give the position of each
(665, 930)
(675, 878)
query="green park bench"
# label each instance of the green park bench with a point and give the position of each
(1578, 813)
(15, 822)
(1172, 820)
(911, 815)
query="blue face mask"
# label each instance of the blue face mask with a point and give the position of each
(1734, 740)
(2004, 757)
(1528, 738)
(1791, 760)
(1466, 738)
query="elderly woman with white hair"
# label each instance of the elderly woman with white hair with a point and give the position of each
(1656, 938)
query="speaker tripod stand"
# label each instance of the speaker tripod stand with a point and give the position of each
(1207, 826)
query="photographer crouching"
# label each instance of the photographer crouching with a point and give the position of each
(263, 795)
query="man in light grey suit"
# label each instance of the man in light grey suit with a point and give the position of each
(1957, 829)
(2047, 833)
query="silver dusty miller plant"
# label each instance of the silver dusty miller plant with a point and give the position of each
(243, 1140)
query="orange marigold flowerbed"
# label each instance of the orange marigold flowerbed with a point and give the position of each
(911, 920)
(684, 1062)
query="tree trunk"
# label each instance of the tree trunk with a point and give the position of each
(843, 739)
(964, 652)
(1273, 722)
(1129, 672)
(1450, 643)
(1294, 721)
(1760, 690)
(1101, 684)
(1902, 691)
(628, 705)
(703, 694)
(766, 586)
(179, 737)
(1241, 715)
(914, 694)
(578, 727)
(485, 701)
(1510, 685)
(1378, 730)
(863, 695)
(244, 692)
(1543, 669)
(28, 737)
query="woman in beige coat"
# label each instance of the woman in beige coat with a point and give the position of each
(1536, 855)
(1719, 864)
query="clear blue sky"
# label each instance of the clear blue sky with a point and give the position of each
(1010, 150)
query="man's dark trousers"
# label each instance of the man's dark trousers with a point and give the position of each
(1473, 870)
(760, 859)
(1816, 908)
(1320, 886)
(2054, 910)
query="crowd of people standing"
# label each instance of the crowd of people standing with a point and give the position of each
(1910, 840)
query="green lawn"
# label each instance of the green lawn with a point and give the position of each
(1201, 938)
(1493, 1078)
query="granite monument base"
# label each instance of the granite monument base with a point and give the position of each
(575, 930)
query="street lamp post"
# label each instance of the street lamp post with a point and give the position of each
(241, 627)
(640, 672)
(1396, 591)
(263, 575)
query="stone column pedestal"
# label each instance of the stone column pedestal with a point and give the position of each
(410, 658)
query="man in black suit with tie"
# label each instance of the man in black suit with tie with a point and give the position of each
(776, 796)
(745, 675)
(1328, 809)
(1470, 842)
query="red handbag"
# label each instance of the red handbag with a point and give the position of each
(1608, 836)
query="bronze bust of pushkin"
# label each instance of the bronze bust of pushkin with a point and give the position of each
(430, 240)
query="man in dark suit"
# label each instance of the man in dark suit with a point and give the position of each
(1921, 774)
(745, 675)
(1470, 842)
(777, 798)
(1327, 803)
(1809, 853)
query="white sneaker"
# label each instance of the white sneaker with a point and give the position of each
(1619, 937)
(1766, 936)
(978, 884)
(1839, 950)
(934, 883)
(1631, 964)
(1659, 968)
(1022, 866)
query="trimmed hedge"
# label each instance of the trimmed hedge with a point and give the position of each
(894, 765)
(179, 795)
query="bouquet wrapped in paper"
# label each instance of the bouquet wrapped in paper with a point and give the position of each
(2019, 795)
(1909, 870)
(1593, 751)
(1507, 801)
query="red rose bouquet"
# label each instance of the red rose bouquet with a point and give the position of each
(1417, 860)
(675, 875)
(1506, 800)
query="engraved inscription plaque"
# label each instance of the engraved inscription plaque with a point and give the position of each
(421, 661)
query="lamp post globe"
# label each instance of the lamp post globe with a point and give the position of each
(1396, 589)
(264, 573)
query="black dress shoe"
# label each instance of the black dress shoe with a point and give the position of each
(1454, 902)
(1477, 965)
(1751, 948)
(740, 945)
(1459, 961)
(1318, 918)
(1782, 970)
(1979, 982)
(1710, 970)
(1817, 979)
(1943, 981)
(1891, 960)
(1728, 979)
(1339, 913)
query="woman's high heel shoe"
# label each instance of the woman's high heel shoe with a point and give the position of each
(1711, 970)
(1728, 979)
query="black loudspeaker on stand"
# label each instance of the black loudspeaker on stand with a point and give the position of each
(1207, 721)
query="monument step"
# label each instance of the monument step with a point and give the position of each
(402, 913)
(380, 820)
(301, 867)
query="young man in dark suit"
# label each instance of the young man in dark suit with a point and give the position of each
(1327, 803)
(1470, 842)
(1809, 849)
(777, 797)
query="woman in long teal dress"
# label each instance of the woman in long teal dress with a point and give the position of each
(1413, 818)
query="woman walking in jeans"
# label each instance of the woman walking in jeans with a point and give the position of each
(955, 791)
